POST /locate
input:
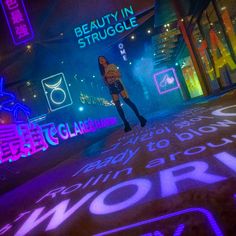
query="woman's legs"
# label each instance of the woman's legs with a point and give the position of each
(116, 100)
(126, 99)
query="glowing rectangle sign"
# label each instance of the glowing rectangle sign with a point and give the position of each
(57, 92)
(17, 20)
(166, 81)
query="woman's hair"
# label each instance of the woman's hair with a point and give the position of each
(101, 67)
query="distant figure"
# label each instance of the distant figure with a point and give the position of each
(112, 79)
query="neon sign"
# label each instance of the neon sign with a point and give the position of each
(17, 20)
(9, 104)
(229, 28)
(225, 58)
(166, 81)
(65, 131)
(24, 140)
(216, 45)
(20, 141)
(86, 99)
(111, 24)
(57, 92)
(123, 51)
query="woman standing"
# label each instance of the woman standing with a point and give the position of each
(112, 79)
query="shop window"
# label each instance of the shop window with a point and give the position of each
(215, 48)
(206, 58)
(191, 78)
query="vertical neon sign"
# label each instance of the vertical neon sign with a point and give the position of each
(17, 20)
(229, 28)
(123, 51)
(225, 58)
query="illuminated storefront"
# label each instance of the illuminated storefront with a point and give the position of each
(205, 50)
(214, 39)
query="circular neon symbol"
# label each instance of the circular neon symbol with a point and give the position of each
(56, 89)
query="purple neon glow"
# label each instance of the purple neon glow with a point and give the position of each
(59, 214)
(164, 72)
(20, 141)
(24, 140)
(227, 159)
(179, 230)
(220, 112)
(169, 180)
(11, 105)
(99, 207)
(215, 228)
(10, 24)
(156, 233)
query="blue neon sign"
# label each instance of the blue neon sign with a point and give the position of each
(11, 105)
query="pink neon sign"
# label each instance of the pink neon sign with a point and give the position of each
(24, 140)
(18, 141)
(17, 20)
(166, 81)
